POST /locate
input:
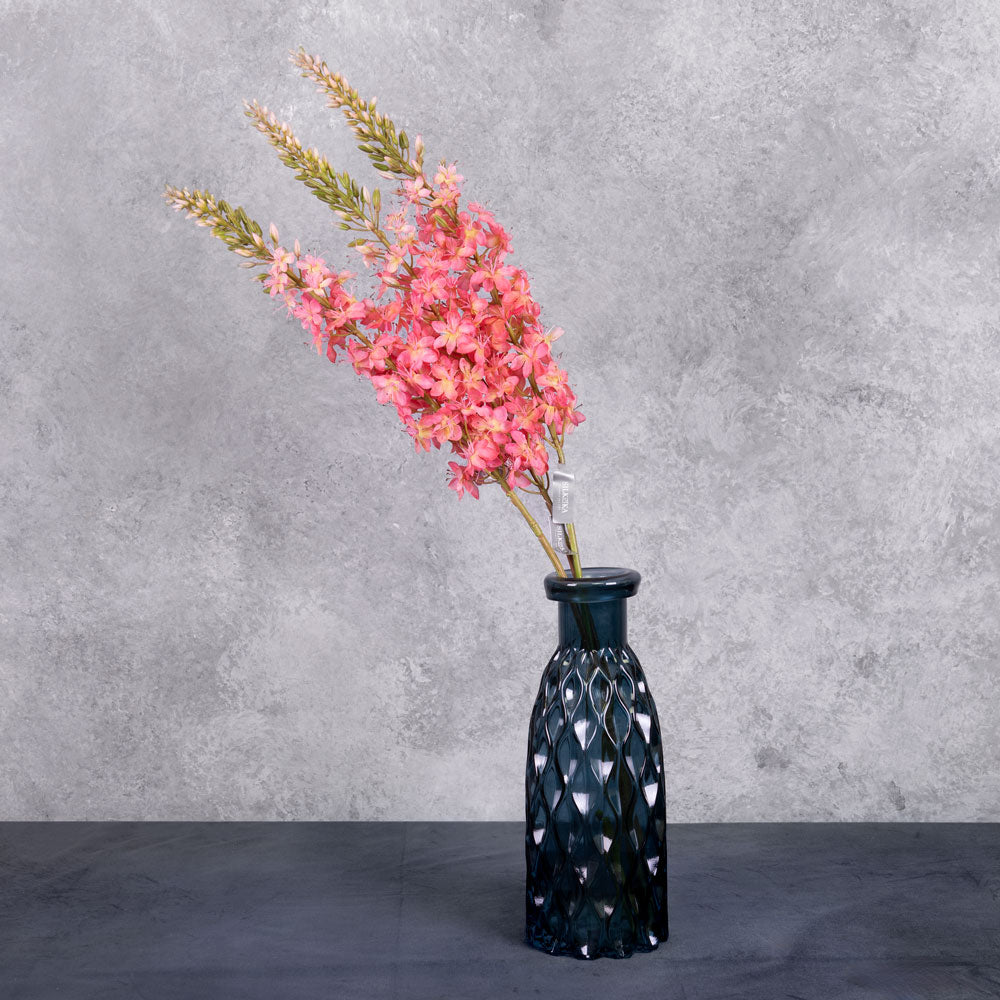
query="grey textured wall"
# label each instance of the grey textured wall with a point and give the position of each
(230, 589)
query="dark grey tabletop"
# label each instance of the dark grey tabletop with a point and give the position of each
(296, 911)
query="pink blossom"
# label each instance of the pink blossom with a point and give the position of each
(482, 454)
(490, 275)
(447, 426)
(463, 480)
(382, 317)
(527, 453)
(370, 253)
(447, 181)
(455, 333)
(492, 423)
(393, 258)
(415, 188)
(419, 353)
(391, 389)
(552, 378)
(423, 432)
(497, 242)
(447, 176)
(517, 299)
(314, 273)
(473, 381)
(428, 285)
(517, 480)
(532, 356)
(346, 311)
(310, 313)
(445, 382)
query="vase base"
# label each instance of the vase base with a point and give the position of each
(587, 952)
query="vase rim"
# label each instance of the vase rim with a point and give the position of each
(599, 583)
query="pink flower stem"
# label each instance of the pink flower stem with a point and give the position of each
(542, 489)
(532, 523)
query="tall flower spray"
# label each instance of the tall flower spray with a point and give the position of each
(452, 338)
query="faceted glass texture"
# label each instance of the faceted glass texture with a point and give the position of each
(595, 839)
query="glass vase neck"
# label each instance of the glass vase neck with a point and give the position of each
(592, 612)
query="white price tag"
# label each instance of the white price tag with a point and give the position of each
(562, 482)
(559, 540)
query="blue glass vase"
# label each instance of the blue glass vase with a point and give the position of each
(595, 839)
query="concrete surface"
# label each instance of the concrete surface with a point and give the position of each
(403, 911)
(229, 588)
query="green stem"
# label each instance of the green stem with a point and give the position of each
(574, 554)
(532, 523)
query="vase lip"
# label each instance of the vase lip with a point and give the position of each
(599, 583)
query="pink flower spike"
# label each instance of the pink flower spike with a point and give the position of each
(451, 338)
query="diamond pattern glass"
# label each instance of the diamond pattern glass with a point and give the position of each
(595, 839)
